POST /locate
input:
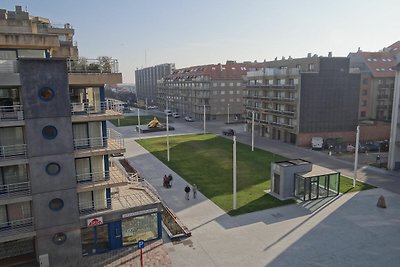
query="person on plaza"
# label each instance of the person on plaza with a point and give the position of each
(170, 180)
(194, 189)
(165, 181)
(187, 191)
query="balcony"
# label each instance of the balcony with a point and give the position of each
(15, 190)
(95, 111)
(13, 152)
(10, 114)
(123, 198)
(16, 229)
(98, 180)
(29, 40)
(382, 106)
(96, 146)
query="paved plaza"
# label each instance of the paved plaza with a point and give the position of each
(348, 230)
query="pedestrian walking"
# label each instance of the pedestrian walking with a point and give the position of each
(187, 190)
(194, 189)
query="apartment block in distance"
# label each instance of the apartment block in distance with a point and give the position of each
(61, 195)
(377, 81)
(294, 100)
(146, 82)
(218, 87)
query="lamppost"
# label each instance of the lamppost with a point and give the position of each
(252, 130)
(234, 172)
(356, 156)
(204, 120)
(167, 138)
(228, 113)
(138, 119)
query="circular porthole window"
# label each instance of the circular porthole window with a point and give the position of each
(49, 132)
(53, 168)
(46, 93)
(56, 204)
(59, 238)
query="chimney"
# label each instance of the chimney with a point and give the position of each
(330, 54)
(283, 58)
(276, 58)
(308, 54)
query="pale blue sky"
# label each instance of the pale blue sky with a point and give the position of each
(212, 31)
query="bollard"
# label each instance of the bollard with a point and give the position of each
(381, 202)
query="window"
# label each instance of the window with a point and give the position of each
(222, 84)
(239, 84)
(231, 84)
(222, 92)
(374, 59)
(362, 114)
(59, 238)
(53, 168)
(30, 53)
(49, 132)
(231, 92)
(215, 92)
(364, 92)
(365, 81)
(215, 84)
(222, 100)
(137, 228)
(364, 103)
(311, 67)
(56, 204)
(46, 93)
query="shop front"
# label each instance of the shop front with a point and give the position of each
(100, 236)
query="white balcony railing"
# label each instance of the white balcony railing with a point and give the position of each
(94, 206)
(11, 113)
(8, 66)
(88, 108)
(13, 152)
(113, 141)
(92, 177)
(16, 227)
(15, 190)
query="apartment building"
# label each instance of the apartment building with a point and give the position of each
(294, 100)
(61, 194)
(146, 82)
(377, 81)
(217, 87)
(394, 146)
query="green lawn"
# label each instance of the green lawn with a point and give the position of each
(206, 160)
(346, 185)
(132, 120)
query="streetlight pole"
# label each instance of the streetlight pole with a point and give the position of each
(204, 120)
(234, 172)
(138, 119)
(167, 139)
(252, 130)
(356, 156)
(228, 113)
(146, 103)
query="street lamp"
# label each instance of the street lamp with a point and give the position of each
(356, 156)
(204, 120)
(228, 113)
(167, 138)
(252, 131)
(138, 118)
(234, 172)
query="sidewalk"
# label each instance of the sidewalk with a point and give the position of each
(348, 231)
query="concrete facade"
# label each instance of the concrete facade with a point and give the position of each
(146, 81)
(302, 98)
(394, 145)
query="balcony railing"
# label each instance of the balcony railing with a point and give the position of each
(11, 113)
(13, 152)
(113, 140)
(89, 108)
(113, 176)
(94, 206)
(8, 66)
(16, 227)
(15, 190)
(92, 66)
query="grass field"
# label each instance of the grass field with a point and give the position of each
(132, 120)
(206, 160)
(346, 185)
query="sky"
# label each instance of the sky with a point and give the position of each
(143, 33)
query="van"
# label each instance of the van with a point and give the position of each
(317, 142)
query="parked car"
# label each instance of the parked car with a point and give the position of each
(228, 132)
(176, 115)
(188, 118)
(168, 112)
(152, 107)
(372, 147)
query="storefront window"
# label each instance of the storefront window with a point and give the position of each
(94, 239)
(139, 228)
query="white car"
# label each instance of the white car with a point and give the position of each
(188, 118)
(168, 112)
(176, 115)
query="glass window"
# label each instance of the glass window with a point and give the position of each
(49, 132)
(59, 238)
(46, 93)
(29, 53)
(88, 243)
(53, 168)
(56, 204)
(4, 54)
(139, 228)
(333, 184)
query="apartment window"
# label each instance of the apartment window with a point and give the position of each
(238, 92)
(49, 132)
(15, 212)
(238, 100)
(222, 84)
(11, 136)
(13, 174)
(222, 99)
(231, 92)
(215, 92)
(311, 67)
(231, 100)
(56, 204)
(215, 84)
(46, 93)
(53, 168)
(59, 238)
(364, 103)
(362, 114)
(30, 53)
(231, 84)
(365, 81)
(239, 84)
(222, 92)
(364, 92)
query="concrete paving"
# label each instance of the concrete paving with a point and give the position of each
(348, 230)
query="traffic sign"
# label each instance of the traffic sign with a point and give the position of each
(141, 243)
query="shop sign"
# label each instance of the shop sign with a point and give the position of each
(140, 212)
(95, 221)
